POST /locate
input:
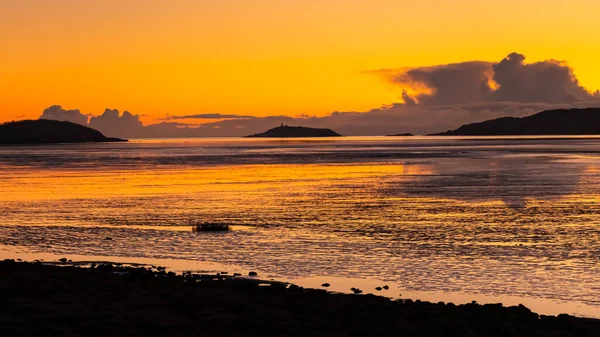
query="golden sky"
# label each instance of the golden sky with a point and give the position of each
(258, 57)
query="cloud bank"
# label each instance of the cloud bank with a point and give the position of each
(113, 123)
(56, 112)
(434, 99)
(207, 116)
(510, 80)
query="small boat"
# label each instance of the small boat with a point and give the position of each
(210, 227)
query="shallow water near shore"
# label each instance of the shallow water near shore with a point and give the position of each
(441, 219)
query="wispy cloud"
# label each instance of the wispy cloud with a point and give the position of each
(207, 116)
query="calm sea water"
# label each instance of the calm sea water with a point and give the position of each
(487, 219)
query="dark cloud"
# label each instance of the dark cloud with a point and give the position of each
(112, 124)
(547, 81)
(407, 99)
(458, 83)
(56, 112)
(510, 80)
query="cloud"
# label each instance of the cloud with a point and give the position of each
(56, 112)
(434, 99)
(112, 124)
(407, 99)
(457, 83)
(394, 118)
(389, 119)
(548, 81)
(206, 116)
(510, 80)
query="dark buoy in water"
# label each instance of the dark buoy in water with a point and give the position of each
(252, 273)
(378, 288)
(210, 227)
(325, 285)
(386, 287)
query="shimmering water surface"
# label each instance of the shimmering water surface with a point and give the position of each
(441, 218)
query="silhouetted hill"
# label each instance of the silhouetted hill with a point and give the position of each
(45, 131)
(296, 131)
(549, 122)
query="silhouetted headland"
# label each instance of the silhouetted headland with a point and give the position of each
(45, 131)
(401, 135)
(549, 122)
(285, 131)
(108, 299)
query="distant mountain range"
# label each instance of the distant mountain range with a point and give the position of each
(285, 131)
(44, 131)
(549, 122)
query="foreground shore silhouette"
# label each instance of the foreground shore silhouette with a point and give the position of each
(108, 300)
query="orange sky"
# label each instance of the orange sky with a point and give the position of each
(258, 57)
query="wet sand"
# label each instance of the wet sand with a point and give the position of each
(108, 300)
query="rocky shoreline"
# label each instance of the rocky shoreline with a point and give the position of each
(105, 299)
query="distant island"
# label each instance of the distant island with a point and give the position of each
(285, 131)
(401, 135)
(549, 122)
(45, 131)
